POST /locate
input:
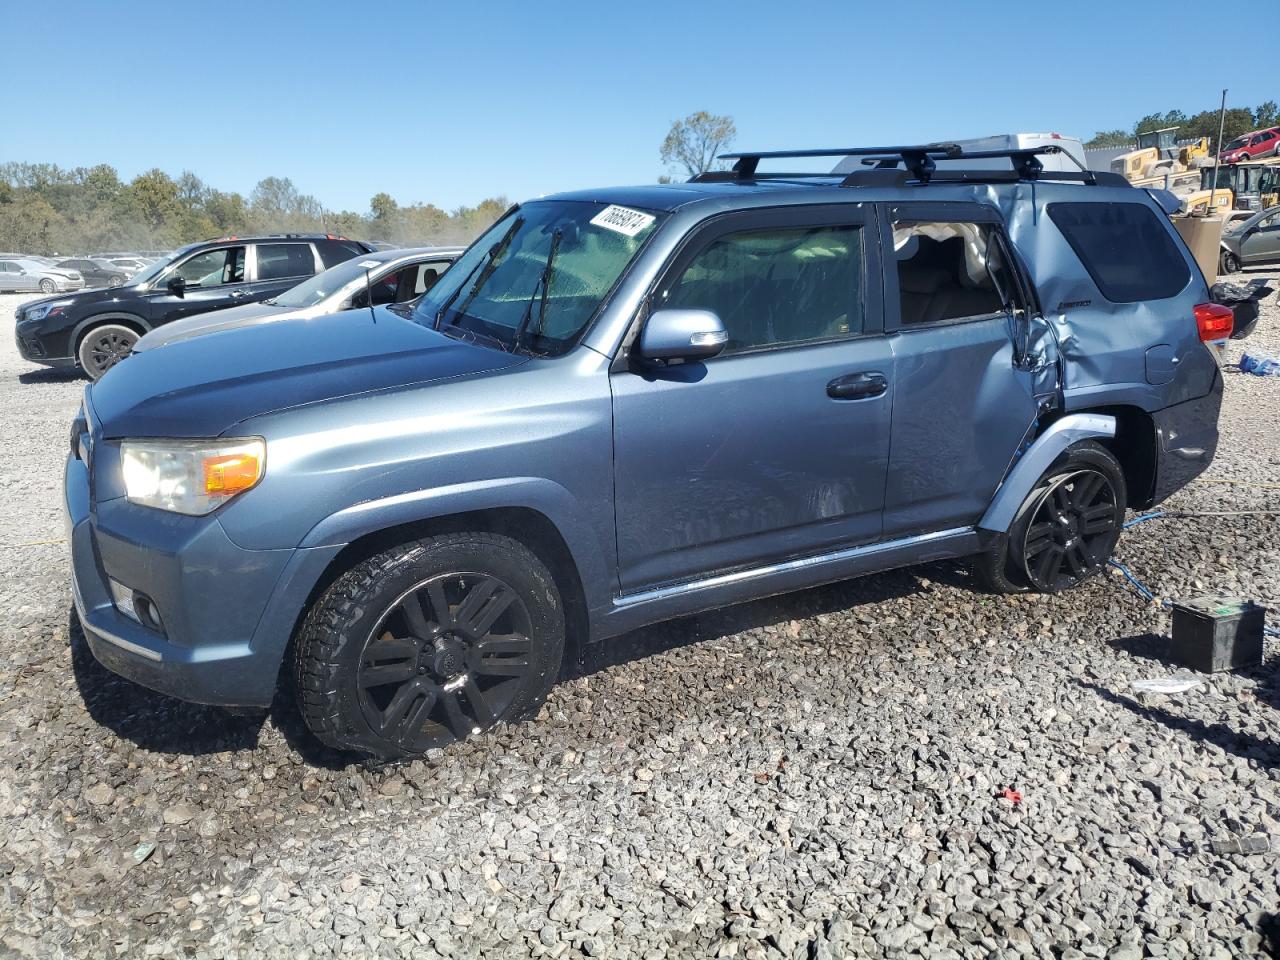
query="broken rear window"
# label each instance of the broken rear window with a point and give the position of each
(1126, 249)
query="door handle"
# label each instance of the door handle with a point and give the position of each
(857, 386)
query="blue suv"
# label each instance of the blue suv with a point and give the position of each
(624, 405)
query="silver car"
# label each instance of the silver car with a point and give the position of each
(389, 276)
(1252, 241)
(23, 275)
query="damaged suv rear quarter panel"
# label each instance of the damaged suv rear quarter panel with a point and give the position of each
(1103, 344)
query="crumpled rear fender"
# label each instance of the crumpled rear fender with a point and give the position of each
(1027, 470)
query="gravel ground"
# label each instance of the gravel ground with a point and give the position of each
(815, 776)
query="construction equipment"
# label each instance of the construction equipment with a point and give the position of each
(1237, 186)
(1157, 153)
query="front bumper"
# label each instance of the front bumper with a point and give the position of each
(1186, 440)
(227, 612)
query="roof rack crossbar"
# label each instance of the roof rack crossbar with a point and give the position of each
(919, 161)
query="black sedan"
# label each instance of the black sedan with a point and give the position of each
(96, 273)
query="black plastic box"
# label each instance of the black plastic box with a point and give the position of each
(1211, 634)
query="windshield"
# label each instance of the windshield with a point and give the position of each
(537, 277)
(1237, 143)
(315, 289)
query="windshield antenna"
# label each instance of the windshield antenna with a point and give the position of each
(368, 294)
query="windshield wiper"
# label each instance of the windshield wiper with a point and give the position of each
(490, 262)
(544, 282)
(473, 336)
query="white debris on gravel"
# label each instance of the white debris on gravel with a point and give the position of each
(819, 775)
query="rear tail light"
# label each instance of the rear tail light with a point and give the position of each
(1214, 321)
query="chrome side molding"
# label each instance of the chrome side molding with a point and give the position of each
(789, 566)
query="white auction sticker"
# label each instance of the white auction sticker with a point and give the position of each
(369, 264)
(622, 220)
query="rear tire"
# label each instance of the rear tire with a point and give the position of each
(103, 347)
(429, 643)
(1066, 529)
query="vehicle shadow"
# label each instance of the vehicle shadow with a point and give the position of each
(1269, 928)
(149, 719)
(51, 375)
(156, 722)
(771, 611)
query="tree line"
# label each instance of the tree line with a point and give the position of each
(1239, 120)
(45, 209)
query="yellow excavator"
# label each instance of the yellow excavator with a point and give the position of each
(1157, 153)
(1253, 185)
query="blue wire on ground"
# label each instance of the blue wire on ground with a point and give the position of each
(1133, 581)
(1143, 519)
(1142, 588)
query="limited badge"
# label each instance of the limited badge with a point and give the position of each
(622, 220)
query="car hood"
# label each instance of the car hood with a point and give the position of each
(86, 297)
(204, 386)
(245, 315)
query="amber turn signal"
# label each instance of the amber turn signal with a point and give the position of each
(231, 474)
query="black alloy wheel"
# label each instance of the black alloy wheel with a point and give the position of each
(445, 661)
(1072, 530)
(430, 642)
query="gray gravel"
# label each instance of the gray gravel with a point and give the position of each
(813, 776)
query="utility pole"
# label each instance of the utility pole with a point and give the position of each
(1217, 154)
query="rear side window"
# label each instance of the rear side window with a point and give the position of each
(334, 252)
(1126, 249)
(280, 261)
(775, 288)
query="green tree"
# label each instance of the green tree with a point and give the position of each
(1267, 114)
(694, 142)
(1110, 138)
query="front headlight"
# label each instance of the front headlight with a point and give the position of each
(194, 477)
(42, 310)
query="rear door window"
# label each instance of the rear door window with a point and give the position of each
(1126, 249)
(949, 271)
(283, 261)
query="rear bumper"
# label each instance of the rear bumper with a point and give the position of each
(227, 613)
(1186, 440)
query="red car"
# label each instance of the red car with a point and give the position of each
(1252, 146)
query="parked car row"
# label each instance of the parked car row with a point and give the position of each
(27, 274)
(617, 406)
(224, 283)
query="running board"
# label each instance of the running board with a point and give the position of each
(635, 609)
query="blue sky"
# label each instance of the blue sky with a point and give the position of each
(452, 103)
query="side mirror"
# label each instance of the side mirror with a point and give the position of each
(682, 335)
(177, 286)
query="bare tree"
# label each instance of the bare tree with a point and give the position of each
(693, 142)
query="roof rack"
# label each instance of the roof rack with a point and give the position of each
(920, 163)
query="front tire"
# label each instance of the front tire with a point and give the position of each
(48, 286)
(429, 643)
(1066, 529)
(105, 346)
(1228, 263)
